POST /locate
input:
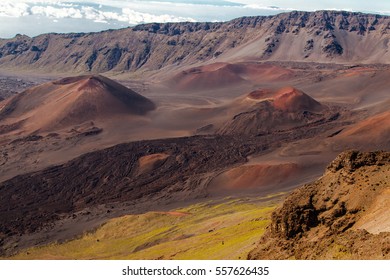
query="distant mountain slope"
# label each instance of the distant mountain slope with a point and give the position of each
(224, 75)
(342, 215)
(323, 36)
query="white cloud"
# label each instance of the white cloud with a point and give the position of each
(64, 10)
(53, 12)
(134, 17)
(129, 16)
(13, 10)
(262, 7)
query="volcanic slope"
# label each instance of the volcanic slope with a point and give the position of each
(221, 229)
(268, 110)
(369, 133)
(322, 36)
(342, 215)
(143, 175)
(225, 75)
(69, 102)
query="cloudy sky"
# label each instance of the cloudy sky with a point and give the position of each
(34, 17)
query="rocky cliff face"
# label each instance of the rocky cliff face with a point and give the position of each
(341, 215)
(324, 36)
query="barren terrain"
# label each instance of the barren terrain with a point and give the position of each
(342, 215)
(146, 118)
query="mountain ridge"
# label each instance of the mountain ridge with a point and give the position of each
(322, 36)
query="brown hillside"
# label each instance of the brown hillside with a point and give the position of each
(293, 100)
(368, 133)
(247, 177)
(343, 215)
(206, 77)
(72, 101)
(267, 110)
(322, 36)
(221, 75)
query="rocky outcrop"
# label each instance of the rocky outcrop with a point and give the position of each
(330, 36)
(352, 160)
(316, 220)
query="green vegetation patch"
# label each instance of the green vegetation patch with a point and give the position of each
(225, 230)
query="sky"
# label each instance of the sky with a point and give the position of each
(34, 17)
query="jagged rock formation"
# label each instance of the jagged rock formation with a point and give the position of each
(341, 215)
(322, 36)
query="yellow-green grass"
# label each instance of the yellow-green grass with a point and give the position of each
(226, 230)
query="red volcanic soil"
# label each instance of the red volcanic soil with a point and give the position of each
(151, 162)
(260, 94)
(292, 100)
(376, 126)
(370, 133)
(219, 75)
(288, 99)
(261, 72)
(266, 110)
(256, 176)
(206, 77)
(72, 101)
